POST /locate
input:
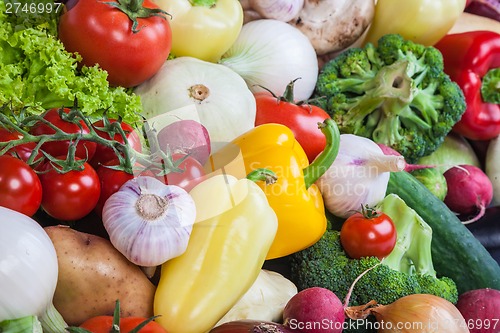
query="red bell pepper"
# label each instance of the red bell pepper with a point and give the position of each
(472, 60)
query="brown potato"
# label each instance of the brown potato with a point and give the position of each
(93, 275)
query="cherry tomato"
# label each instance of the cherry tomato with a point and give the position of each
(69, 196)
(192, 173)
(6, 135)
(102, 34)
(20, 187)
(368, 233)
(103, 324)
(84, 149)
(22, 151)
(104, 154)
(302, 119)
(111, 180)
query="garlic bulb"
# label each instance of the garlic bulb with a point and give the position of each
(149, 222)
(281, 10)
(358, 176)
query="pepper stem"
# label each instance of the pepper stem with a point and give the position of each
(263, 174)
(203, 3)
(324, 160)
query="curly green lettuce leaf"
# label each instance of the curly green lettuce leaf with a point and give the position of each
(37, 73)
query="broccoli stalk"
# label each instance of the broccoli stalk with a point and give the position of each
(396, 94)
(412, 253)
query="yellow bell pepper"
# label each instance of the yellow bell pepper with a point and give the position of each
(233, 232)
(293, 195)
(203, 29)
(422, 21)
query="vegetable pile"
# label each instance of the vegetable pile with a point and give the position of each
(193, 166)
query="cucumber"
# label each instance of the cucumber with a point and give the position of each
(456, 253)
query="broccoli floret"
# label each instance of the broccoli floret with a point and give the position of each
(408, 269)
(396, 94)
(325, 264)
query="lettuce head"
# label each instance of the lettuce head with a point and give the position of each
(37, 73)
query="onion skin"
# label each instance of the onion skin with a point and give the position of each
(419, 313)
(251, 326)
(481, 310)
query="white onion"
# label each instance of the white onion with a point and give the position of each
(211, 94)
(271, 53)
(28, 271)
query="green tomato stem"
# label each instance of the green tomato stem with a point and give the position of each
(124, 152)
(135, 9)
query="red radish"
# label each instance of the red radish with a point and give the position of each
(409, 167)
(469, 191)
(481, 310)
(318, 310)
(187, 137)
(314, 310)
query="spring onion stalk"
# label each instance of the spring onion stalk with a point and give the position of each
(28, 324)
(28, 272)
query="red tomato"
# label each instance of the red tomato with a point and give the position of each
(20, 187)
(69, 196)
(103, 324)
(366, 234)
(22, 151)
(301, 119)
(84, 149)
(102, 34)
(111, 180)
(191, 175)
(105, 154)
(6, 135)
